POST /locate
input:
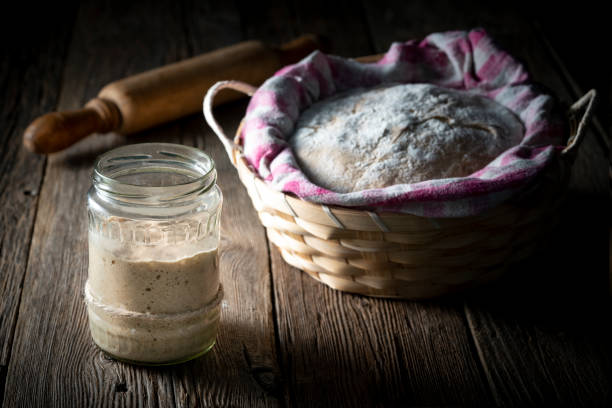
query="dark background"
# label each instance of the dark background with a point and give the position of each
(579, 32)
(561, 317)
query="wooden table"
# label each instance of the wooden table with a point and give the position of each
(539, 336)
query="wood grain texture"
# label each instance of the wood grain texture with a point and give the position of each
(3, 370)
(533, 342)
(54, 362)
(247, 371)
(538, 337)
(30, 79)
(346, 350)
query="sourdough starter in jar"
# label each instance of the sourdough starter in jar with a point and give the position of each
(153, 288)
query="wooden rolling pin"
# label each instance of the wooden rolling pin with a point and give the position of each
(148, 99)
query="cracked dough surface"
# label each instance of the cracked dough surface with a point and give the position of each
(400, 133)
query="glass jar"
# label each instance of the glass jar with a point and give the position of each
(153, 291)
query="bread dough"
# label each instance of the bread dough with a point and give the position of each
(399, 134)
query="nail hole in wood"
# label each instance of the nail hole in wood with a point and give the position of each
(121, 387)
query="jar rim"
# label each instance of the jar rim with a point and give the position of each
(153, 173)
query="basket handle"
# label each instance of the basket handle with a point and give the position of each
(239, 86)
(584, 104)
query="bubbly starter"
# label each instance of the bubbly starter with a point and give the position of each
(154, 305)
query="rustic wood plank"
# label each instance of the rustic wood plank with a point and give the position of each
(3, 370)
(55, 361)
(535, 346)
(349, 350)
(544, 329)
(52, 333)
(246, 372)
(346, 350)
(30, 79)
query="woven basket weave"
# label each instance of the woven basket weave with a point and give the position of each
(403, 255)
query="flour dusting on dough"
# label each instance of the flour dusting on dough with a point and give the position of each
(400, 134)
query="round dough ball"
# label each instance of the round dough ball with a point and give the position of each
(399, 134)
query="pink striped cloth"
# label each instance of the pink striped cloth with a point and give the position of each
(457, 59)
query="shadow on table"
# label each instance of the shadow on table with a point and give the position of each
(240, 367)
(562, 289)
(565, 285)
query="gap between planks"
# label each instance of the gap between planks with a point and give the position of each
(486, 372)
(143, 385)
(65, 32)
(277, 345)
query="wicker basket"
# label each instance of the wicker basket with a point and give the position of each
(403, 255)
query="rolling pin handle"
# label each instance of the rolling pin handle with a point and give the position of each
(56, 131)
